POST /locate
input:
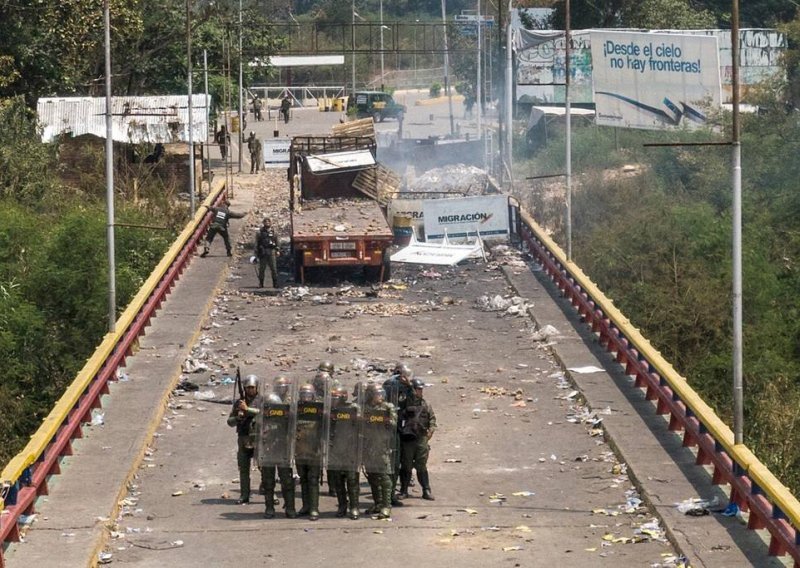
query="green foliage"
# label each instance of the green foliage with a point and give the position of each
(435, 90)
(658, 241)
(53, 273)
(26, 165)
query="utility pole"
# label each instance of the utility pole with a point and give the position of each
(382, 70)
(447, 70)
(241, 91)
(736, 146)
(112, 280)
(191, 113)
(478, 88)
(208, 110)
(509, 96)
(353, 47)
(568, 128)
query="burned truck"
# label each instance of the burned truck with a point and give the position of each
(333, 222)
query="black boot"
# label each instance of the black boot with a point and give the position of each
(269, 501)
(313, 501)
(288, 501)
(424, 480)
(404, 479)
(352, 494)
(304, 508)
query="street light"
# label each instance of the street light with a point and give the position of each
(415, 53)
(353, 42)
(382, 26)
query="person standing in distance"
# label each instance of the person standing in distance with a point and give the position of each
(267, 253)
(242, 417)
(417, 425)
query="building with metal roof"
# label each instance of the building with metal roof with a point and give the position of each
(135, 120)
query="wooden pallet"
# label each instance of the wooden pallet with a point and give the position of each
(361, 128)
(380, 183)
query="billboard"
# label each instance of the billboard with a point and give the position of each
(466, 216)
(654, 81)
(276, 153)
(540, 68)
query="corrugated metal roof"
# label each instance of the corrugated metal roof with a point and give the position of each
(134, 119)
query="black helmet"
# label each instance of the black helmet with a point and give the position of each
(417, 383)
(326, 366)
(405, 371)
(250, 381)
(340, 393)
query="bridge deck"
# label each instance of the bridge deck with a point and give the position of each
(180, 508)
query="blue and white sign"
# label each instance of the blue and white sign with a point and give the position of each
(654, 81)
(464, 217)
(276, 153)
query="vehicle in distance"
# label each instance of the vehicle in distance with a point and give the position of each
(377, 104)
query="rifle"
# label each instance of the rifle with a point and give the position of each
(238, 386)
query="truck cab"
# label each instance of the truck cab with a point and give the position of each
(377, 104)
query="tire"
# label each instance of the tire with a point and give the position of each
(376, 117)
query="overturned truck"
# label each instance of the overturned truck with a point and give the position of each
(335, 218)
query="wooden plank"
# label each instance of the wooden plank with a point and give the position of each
(379, 183)
(363, 127)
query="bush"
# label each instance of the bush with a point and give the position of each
(435, 90)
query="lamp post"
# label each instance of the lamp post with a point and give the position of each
(241, 89)
(112, 286)
(736, 159)
(382, 26)
(415, 53)
(190, 109)
(568, 129)
(446, 70)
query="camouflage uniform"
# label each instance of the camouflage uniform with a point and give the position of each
(343, 449)
(417, 425)
(398, 390)
(279, 424)
(244, 421)
(219, 224)
(380, 424)
(266, 251)
(308, 451)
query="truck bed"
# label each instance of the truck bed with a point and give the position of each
(339, 219)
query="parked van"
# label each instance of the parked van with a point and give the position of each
(377, 104)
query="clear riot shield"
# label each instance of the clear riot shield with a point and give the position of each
(344, 434)
(276, 423)
(311, 426)
(379, 431)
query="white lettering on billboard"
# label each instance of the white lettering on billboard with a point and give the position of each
(654, 81)
(466, 216)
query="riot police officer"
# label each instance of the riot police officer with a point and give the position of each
(242, 416)
(309, 448)
(380, 425)
(343, 452)
(274, 450)
(417, 425)
(398, 391)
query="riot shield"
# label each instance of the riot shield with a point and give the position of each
(344, 435)
(379, 432)
(276, 421)
(311, 427)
